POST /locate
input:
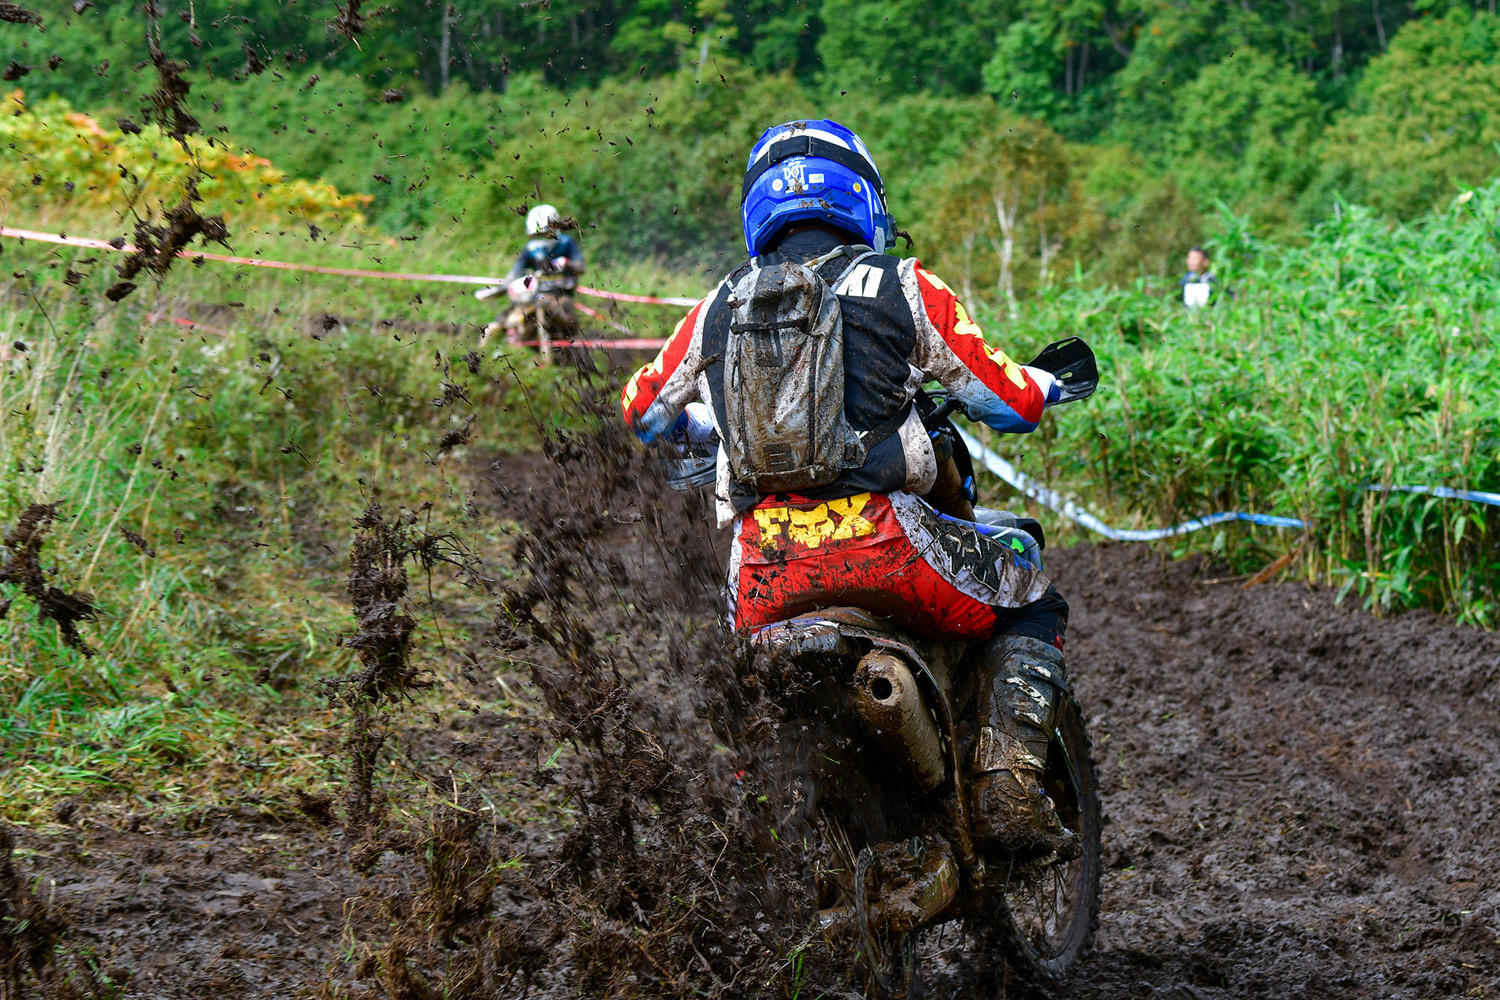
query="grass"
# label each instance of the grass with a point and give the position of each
(239, 451)
(1366, 358)
(239, 455)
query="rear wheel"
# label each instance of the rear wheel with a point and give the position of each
(1045, 910)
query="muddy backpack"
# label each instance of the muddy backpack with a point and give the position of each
(784, 377)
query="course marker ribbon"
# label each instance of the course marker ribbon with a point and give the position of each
(1073, 512)
(347, 272)
(1446, 492)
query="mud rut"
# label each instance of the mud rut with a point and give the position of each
(1301, 801)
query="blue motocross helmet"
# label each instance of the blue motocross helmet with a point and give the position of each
(813, 170)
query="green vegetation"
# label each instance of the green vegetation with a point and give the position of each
(1367, 357)
(64, 162)
(635, 116)
(1053, 160)
(207, 480)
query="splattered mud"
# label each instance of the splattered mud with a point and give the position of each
(22, 569)
(1301, 799)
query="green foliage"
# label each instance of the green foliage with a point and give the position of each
(1243, 130)
(64, 159)
(903, 46)
(238, 451)
(1366, 357)
(1424, 119)
(1273, 110)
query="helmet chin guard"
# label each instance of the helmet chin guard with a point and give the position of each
(815, 171)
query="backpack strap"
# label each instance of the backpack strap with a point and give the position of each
(875, 435)
(831, 268)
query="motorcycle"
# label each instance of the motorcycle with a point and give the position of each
(541, 311)
(886, 779)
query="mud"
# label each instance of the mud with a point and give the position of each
(23, 568)
(1300, 797)
(29, 931)
(157, 245)
(16, 14)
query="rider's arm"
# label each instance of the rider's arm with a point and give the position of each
(566, 250)
(656, 394)
(520, 267)
(951, 349)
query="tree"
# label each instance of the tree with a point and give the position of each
(903, 46)
(1009, 203)
(1242, 131)
(1424, 120)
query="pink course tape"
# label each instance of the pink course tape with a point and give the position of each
(348, 272)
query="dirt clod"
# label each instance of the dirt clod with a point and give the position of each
(16, 14)
(23, 568)
(29, 931)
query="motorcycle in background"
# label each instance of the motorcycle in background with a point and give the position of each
(541, 311)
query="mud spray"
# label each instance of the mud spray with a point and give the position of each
(665, 866)
(23, 568)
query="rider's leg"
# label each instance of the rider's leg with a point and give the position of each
(1018, 700)
(515, 325)
(895, 557)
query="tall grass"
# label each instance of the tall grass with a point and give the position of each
(238, 453)
(1367, 357)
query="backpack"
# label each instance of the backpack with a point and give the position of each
(784, 377)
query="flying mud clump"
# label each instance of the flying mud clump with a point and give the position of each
(157, 245)
(378, 591)
(16, 14)
(23, 568)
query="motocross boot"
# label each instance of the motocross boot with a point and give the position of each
(1017, 713)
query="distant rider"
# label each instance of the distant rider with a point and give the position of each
(542, 281)
(861, 535)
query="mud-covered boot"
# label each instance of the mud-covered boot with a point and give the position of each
(1017, 711)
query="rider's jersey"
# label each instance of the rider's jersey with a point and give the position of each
(902, 327)
(537, 256)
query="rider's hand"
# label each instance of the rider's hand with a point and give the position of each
(694, 424)
(559, 263)
(1046, 381)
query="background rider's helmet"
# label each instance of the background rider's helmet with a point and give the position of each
(813, 170)
(541, 219)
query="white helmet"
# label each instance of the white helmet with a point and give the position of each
(541, 219)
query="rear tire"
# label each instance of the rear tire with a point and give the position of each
(1045, 913)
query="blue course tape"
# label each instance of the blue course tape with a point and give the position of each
(1073, 512)
(1446, 492)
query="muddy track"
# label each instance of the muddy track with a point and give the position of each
(1301, 801)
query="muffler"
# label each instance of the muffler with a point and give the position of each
(887, 698)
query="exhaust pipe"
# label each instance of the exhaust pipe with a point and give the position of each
(887, 698)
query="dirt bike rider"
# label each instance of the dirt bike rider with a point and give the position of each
(864, 538)
(547, 271)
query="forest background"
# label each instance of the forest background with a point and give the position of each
(1021, 138)
(1053, 160)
